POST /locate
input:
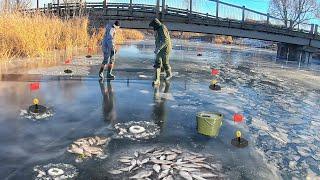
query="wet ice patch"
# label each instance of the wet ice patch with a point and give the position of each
(89, 147)
(167, 96)
(144, 91)
(36, 116)
(59, 71)
(55, 171)
(167, 163)
(228, 90)
(86, 62)
(137, 130)
(143, 76)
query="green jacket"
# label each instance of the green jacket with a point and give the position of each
(162, 36)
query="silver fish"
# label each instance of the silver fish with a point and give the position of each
(161, 161)
(163, 174)
(126, 157)
(168, 178)
(144, 161)
(190, 165)
(142, 174)
(139, 162)
(133, 164)
(189, 158)
(204, 165)
(136, 154)
(92, 150)
(114, 172)
(156, 168)
(176, 151)
(171, 157)
(75, 149)
(189, 169)
(102, 141)
(205, 175)
(185, 175)
(148, 150)
(169, 152)
(196, 154)
(198, 177)
(126, 169)
(124, 160)
(165, 167)
(198, 160)
(162, 157)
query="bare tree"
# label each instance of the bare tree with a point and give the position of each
(294, 12)
(13, 5)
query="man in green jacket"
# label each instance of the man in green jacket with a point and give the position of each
(162, 51)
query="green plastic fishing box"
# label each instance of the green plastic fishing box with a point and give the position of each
(209, 123)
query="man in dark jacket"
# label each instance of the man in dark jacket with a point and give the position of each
(162, 51)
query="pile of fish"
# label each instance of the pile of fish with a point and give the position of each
(55, 171)
(29, 115)
(137, 130)
(167, 164)
(89, 147)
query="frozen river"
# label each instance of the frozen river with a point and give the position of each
(279, 100)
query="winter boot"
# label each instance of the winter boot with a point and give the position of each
(101, 76)
(110, 75)
(156, 80)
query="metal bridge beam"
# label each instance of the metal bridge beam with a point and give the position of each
(217, 9)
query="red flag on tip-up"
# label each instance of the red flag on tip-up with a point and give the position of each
(90, 49)
(237, 117)
(68, 61)
(34, 86)
(214, 71)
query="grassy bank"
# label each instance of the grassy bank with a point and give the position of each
(26, 36)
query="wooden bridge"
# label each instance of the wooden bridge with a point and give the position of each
(224, 19)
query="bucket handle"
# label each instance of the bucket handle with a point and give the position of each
(212, 124)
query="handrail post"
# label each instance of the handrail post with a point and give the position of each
(217, 9)
(316, 29)
(312, 29)
(243, 12)
(268, 18)
(130, 6)
(58, 8)
(163, 8)
(105, 6)
(190, 10)
(158, 7)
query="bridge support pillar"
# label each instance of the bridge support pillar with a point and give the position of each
(292, 52)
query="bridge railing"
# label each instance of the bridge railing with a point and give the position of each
(212, 8)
